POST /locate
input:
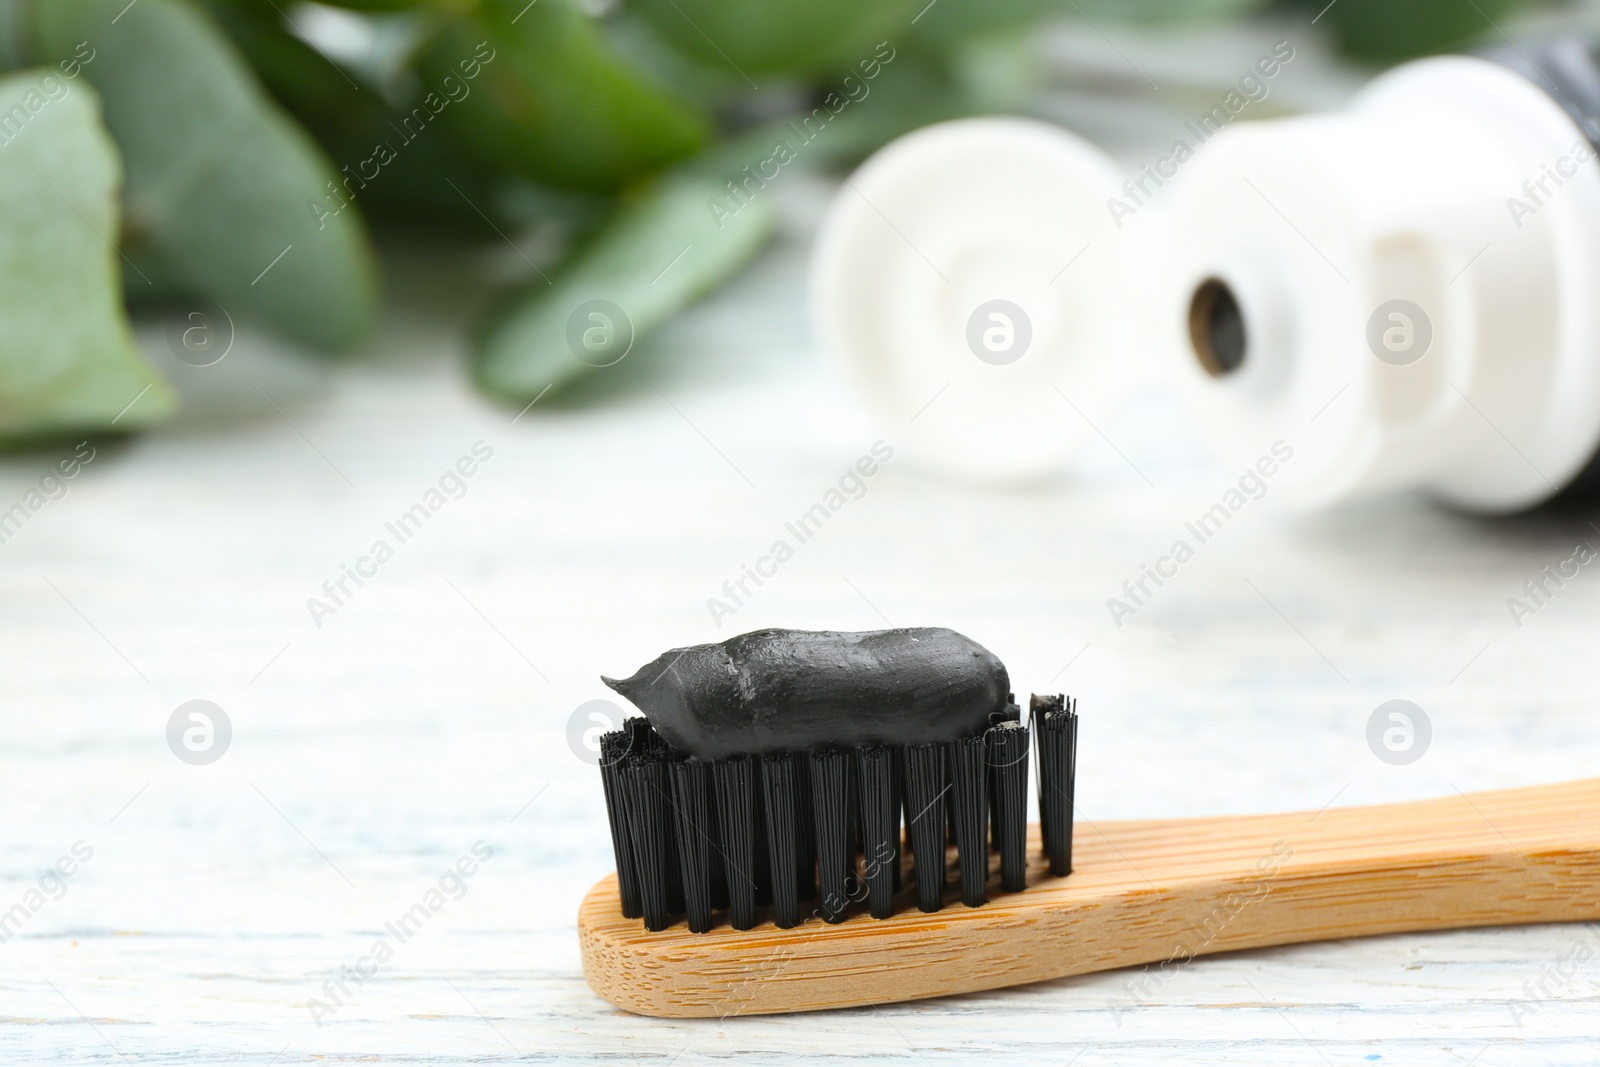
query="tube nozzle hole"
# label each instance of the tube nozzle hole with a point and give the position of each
(1216, 328)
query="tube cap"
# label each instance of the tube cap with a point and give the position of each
(973, 286)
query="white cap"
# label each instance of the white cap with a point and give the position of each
(973, 285)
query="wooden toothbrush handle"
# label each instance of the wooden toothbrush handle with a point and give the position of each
(1150, 892)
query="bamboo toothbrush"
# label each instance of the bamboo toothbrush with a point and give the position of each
(825, 909)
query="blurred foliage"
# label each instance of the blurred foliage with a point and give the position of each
(67, 359)
(663, 250)
(819, 36)
(554, 104)
(1385, 31)
(235, 151)
(217, 180)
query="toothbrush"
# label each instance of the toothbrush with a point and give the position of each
(1158, 892)
(761, 800)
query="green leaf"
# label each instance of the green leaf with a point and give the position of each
(1387, 31)
(374, 5)
(779, 35)
(350, 120)
(1166, 11)
(15, 48)
(280, 10)
(226, 197)
(667, 247)
(949, 20)
(550, 102)
(67, 358)
(896, 90)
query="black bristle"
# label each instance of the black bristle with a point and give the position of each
(783, 802)
(763, 867)
(692, 806)
(807, 856)
(949, 808)
(926, 786)
(1009, 713)
(897, 768)
(880, 827)
(853, 886)
(969, 795)
(645, 797)
(692, 836)
(719, 863)
(645, 742)
(642, 737)
(613, 750)
(1008, 790)
(739, 815)
(830, 809)
(668, 757)
(1055, 727)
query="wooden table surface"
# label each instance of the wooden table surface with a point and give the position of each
(428, 716)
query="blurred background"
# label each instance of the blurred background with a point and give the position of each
(295, 427)
(268, 166)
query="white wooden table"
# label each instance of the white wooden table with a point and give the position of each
(430, 712)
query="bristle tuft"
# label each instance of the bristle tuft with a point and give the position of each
(782, 801)
(897, 768)
(642, 737)
(927, 784)
(1009, 712)
(804, 801)
(1008, 793)
(613, 750)
(830, 807)
(739, 815)
(969, 793)
(880, 827)
(692, 806)
(1055, 727)
(646, 798)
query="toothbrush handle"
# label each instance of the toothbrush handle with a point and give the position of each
(1150, 892)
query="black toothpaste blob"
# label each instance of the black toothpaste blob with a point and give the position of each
(795, 690)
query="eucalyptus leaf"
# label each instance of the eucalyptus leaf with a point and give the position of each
(550, 102)
(918, 86)
(668, 246)
(226, 197)
(1386, 31)
(951, 20)
(67, 357)
(375, 5)
(15, 48)
(1166, 11)
(426, 183)
(800, 36)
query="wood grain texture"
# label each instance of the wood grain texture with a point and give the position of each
(1151, 891)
